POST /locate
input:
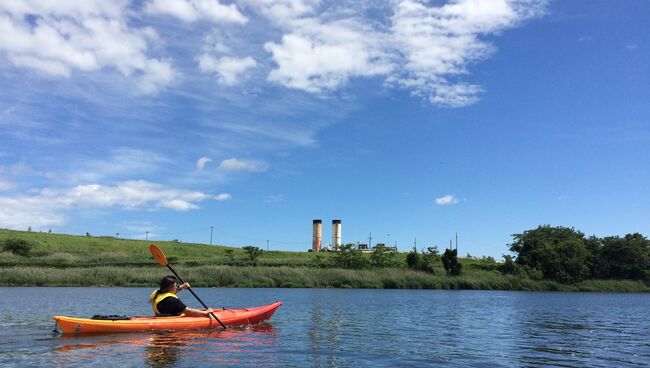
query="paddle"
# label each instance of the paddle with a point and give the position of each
(159, 256)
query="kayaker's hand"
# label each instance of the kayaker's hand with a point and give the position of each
(208, 311)
(184, 286)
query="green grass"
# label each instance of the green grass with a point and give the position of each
(68, 260)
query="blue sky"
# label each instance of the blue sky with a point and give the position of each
(408, 119)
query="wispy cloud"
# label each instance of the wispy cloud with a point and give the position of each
(223, 197)
(234, 164)
(446, 200)
(440, 42)
(122, 163)
(200, 163)
(48, 206)
(229, 70)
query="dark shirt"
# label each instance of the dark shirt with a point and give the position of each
(171, 306)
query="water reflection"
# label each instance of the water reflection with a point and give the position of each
(169, 349)
(163, 350)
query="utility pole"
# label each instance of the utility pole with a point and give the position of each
(211, 234)
(267, 245)
(146, 235)
(415, 243)
(456, 242)
(450, 247)
(370, 240)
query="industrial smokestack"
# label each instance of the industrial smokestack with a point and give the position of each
(336, 234)
(317, 236)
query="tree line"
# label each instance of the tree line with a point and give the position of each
(567, 255)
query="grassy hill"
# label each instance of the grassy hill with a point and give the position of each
(69, 260)
(60, 250)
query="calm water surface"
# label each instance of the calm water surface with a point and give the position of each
(340, 328)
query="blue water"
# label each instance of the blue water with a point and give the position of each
(340, 328)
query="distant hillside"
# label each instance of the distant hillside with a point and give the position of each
(61, 250)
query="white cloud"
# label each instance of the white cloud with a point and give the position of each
(228, 69)
(446, 200)
(200, 164)
(130, 194)
(424, 49)
(439, 42)
(223, 197)
(193, 10)
(282, 11)
(317, 56)
(22, 212)
(234, 164)
(58, 37)
(48, 206)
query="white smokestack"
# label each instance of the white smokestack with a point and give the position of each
(336, 234)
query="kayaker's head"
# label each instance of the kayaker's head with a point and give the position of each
(168, 284)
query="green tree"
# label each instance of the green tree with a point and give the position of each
(428, 258)
(559, 252)
(564, 261)
(624, 258)
(19, 247)
(450, 262)
(413, 259)
(253, 254)
(348, 256)
(593, 245)
(382, 257)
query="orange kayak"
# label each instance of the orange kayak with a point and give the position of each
(230, 317)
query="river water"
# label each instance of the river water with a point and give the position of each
(340, 328)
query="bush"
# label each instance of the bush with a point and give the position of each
(382, 257)
(349, 257)
(508, 267)
(19, 247)
(253, 253)
(450, 262)
(413, 259)
(319, 261)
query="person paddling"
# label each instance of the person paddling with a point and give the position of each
(164, 301)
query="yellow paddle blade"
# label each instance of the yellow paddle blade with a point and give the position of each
(158, 255)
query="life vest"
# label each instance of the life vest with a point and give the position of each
(159, 298)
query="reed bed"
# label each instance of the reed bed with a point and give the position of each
(293, 277)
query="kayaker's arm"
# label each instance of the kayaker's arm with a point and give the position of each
(191, 312)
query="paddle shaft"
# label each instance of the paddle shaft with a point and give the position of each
(196, 296)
